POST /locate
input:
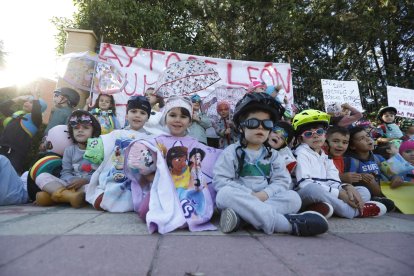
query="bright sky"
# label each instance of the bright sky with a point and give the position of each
(28, 36)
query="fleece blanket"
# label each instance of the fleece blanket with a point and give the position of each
(181, 193)
(110, 179)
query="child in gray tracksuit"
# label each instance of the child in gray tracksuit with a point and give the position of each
(251, 180)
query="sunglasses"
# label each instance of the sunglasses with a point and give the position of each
(309, 133)
(255, 123)
(84, 121)
(56, 94)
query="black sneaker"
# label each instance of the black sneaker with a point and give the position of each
(308, 223)
(386, 201)
(229, 221)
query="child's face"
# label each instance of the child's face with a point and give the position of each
(314, 138)
(259, 89)
(276, 140)
(255, 137)
(196, 106)
(177, 122)
(28, 106)
(410, 131)
(409, 156)
(58, 99)
(104, 102)
(393, 150)
(223, 111)
(362, 142)
(151, 97)
(388, 117)
(82, 132)
(137, 118)
(338, 143)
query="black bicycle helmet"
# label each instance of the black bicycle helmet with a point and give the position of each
(385, 109)
(82, 113)
(259, 102)
(70, 94)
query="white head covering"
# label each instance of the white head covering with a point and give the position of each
(177, 101)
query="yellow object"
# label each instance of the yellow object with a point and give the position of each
(402, 196)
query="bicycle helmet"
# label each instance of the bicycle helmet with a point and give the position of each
(309, 117)
(406, 124)
(385, 109)
(257, 102)
(70, 94)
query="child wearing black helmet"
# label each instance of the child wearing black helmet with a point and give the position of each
(251, 180)
(76, 171)
(386, 116)
(65, 99)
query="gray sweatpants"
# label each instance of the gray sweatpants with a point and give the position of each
(314, 192)
(267, 216)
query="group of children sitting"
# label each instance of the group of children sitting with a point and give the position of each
(279, 177)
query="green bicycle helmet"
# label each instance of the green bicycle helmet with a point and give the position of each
(308, 117)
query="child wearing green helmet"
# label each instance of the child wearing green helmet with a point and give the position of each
(251, 179)
(318, 182)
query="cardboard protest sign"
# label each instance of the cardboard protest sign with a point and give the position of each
(341, 92)
(142, 67)
(402, 99)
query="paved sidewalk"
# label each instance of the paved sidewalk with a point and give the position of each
(65, 241)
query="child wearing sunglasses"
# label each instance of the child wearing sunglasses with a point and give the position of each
(252, 181)
(318, 182)
(76, 171)
(361, 160)
(279, 139)
(109, 188)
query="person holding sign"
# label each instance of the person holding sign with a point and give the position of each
(343, 115)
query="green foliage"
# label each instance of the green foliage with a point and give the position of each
(368, 41)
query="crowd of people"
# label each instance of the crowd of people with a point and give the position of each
(273, 170)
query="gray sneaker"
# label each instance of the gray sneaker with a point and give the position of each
(308, 223)
(229, 220)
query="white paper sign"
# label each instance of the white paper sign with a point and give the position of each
(341, 92)
(402, 99)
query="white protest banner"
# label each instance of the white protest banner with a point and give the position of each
(341, 92)
(402, 99)
(143, 66)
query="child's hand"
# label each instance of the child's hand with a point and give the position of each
(368, 178)
(77, 183)
(396, 182)
(228, 131)
(262, 196)
(351, 177)
(354, 197)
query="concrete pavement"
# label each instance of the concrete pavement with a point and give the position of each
(60, 240)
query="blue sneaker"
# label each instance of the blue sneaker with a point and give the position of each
(308, 223)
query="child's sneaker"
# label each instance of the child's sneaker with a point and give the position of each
(323, 208)
(373, 209)
(308, 223)
(386, 201)
(229, 221)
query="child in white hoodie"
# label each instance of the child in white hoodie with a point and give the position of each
(318, 182)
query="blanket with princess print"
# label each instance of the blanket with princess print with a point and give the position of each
(181, 192)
